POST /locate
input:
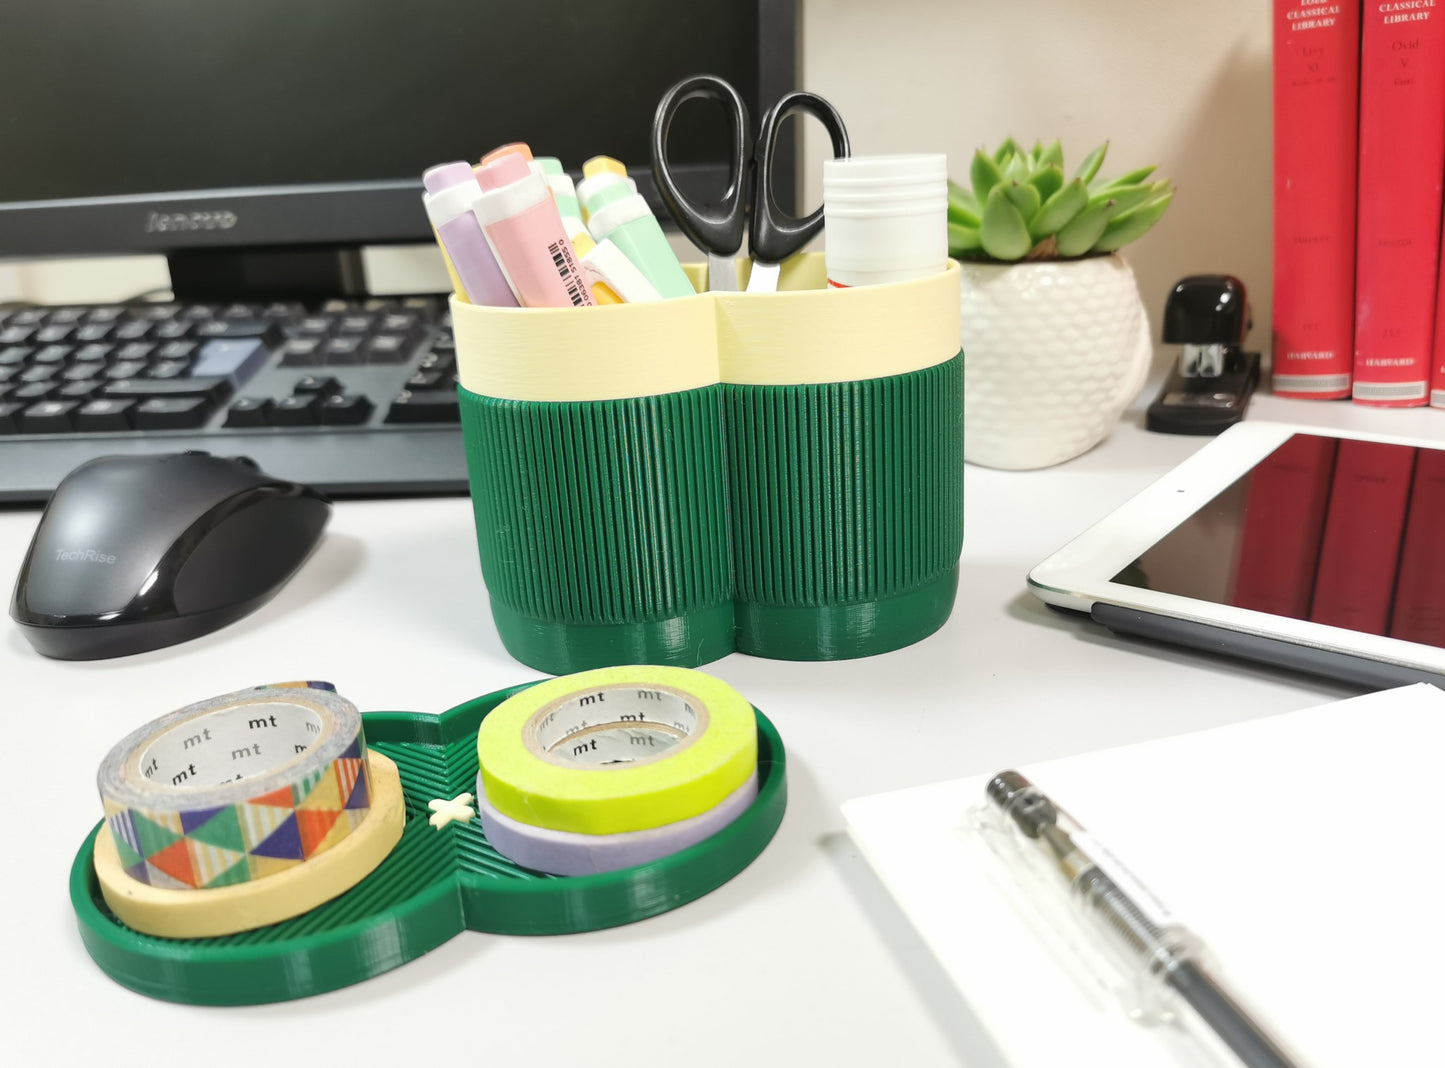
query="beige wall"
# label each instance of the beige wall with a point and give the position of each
(1184, 85)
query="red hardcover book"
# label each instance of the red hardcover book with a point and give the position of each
(1284, 520)
(1402, 159)
(1360, 554)
(1419, 614)
(1316, 96)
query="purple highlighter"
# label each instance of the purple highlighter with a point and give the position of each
(451, 190)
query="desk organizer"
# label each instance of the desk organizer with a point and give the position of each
(780, 474)
(433, 885)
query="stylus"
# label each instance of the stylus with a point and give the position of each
(1131, 920)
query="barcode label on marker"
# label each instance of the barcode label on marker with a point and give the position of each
(567, 271)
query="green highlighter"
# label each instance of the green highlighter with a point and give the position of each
(563, 191)
(622, 215)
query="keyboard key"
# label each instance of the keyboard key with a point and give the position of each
(241, 311)
(429, 406)
(345, 409)
(125, 369)
(296, 410)
(424, 380)
(250, 411)
(444, 343)
(234, 358)
(49, 417)
(171, 330)
(314, 326)
(83, 389)
(92, 332)
(197, 312)
(166, 369)
(387, 348)
(437, 361)
(51, 335)
(178, 350)
(316, 385)
(209, 389)
(105, 415)
(32, 391)
(132, 330)
(302, 352)
(283, 309)
(342, 351)
(78, 372)
(135, 350)
(104, 313)
(234, 328)
(53, 354)
(27, 317)
(43, 372)
(10, 416)
(399, 323)
(354, 325)
(7, 373)
(63, 316)
(155, 313)
(93, 353)
(15, 355)
(172, 413)
(16, 335)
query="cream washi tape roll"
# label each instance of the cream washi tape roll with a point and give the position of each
(617, 750)
(236, 788)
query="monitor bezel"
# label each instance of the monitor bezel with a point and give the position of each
(350, 214)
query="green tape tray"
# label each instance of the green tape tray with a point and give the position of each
(433, 885)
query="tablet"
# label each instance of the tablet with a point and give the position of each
(1316, 550)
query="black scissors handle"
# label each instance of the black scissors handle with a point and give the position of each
(720, 228)
(774, 236)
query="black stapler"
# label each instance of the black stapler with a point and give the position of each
(1209, 388)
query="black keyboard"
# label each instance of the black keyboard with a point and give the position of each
(354, 397)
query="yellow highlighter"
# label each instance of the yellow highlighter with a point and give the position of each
(597, 174)
(582, 244)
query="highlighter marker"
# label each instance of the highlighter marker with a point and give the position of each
(519, 148)
(563, 191)
(520, 219)
(582, 244)
(598, 173)
(604, 263)
(452, 191)
(625, 218)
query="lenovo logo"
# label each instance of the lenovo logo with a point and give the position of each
(169, 222)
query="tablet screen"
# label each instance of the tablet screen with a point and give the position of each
(1336, 531)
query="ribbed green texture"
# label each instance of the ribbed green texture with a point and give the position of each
(434, 884)
(596, 516)
(845, 494)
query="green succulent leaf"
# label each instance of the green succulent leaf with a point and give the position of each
(1003, 233)
(962, 239)
(1126, 197)
(984, 173)
(962, 207)
(1056, 212)
(1134, 177)
(1036, 152)
(1092, 162)
(1048, 180)
(1132, 225)
(1016, 169)
(1006, 151)
(1025, 197)
(1053, 156)
(1084, 229)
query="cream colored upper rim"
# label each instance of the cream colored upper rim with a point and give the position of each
(803, 335)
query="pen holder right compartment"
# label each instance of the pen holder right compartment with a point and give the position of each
(594, 452)
(844, 414)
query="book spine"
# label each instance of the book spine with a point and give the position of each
(1284, 522)
(1316, 86)
(1360, 554)
(1419, 613)
(1402, 159)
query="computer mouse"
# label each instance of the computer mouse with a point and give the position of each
(138, 552)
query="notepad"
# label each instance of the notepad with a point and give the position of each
(1306, 849)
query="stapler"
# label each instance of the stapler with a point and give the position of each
(1209, 389)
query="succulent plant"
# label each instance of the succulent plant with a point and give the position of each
(1020, 206)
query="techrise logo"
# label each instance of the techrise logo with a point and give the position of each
(166, 222)
(88, 555)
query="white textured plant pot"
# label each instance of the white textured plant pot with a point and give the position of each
(1053, 352)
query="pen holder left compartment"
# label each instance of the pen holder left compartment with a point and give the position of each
(595, 456)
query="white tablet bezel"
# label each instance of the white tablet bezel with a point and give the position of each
(1079, 575)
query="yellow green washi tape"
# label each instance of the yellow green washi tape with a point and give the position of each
(617, 749)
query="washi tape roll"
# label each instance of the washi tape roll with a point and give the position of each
(568, 853)
(226, 910)
(236, 788)
(617, 750)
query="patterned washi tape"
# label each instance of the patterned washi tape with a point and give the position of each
(237, 787)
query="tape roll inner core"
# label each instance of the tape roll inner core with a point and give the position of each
(230, 744)
(612, 725)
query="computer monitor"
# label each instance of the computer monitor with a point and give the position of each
(260, 144)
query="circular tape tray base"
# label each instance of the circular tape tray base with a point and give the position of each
(432, 886)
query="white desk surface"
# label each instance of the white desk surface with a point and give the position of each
(801, 959)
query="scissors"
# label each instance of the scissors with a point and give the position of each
(773, 236)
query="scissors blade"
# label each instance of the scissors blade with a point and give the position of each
(764, 278)
(722, 273)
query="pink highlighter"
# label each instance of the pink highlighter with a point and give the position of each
(520, 218)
